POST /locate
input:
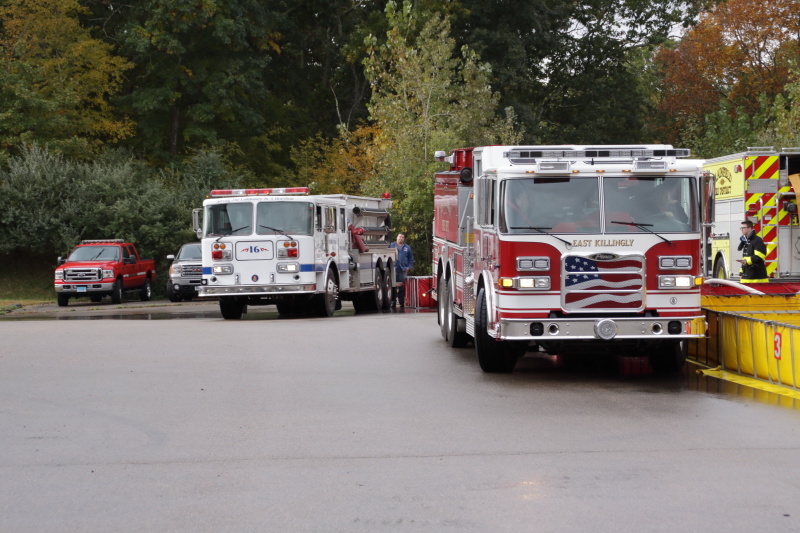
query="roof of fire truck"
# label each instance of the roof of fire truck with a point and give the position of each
(570, 159)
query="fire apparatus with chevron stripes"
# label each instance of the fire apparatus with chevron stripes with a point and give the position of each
(570, 249)
(759, 185)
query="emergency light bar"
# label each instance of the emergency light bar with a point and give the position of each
(217, 193)
(529, 156)
(95, 241)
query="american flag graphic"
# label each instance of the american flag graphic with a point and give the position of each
(610, 282)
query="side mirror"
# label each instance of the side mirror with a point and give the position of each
(60, 260)
(170, 257)
(196, 223)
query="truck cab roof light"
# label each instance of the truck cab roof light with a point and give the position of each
(283, 191)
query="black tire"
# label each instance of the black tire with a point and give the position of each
(493, 356)
(386, 287)
(378, 296)
(455, 338)
(147, 290)
(441, 306)
(116, 292)
(230, 308)
(325, 303)
(175, 298)
(62, 299)
(669, 358)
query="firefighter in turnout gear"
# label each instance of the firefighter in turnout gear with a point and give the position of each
(754, 252)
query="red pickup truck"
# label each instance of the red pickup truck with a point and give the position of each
(98, 268)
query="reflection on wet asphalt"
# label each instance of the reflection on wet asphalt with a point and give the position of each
(590, 368)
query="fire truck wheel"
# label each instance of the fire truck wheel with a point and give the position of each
(116, 292)
(493, 356)
(455, 338)
(386, 289)
(147, 291)
(378, 294)
(63, 300)
(325, 303)
(230, 308)
(441, 307)
(669, 358)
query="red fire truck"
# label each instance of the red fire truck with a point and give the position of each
(569, 249)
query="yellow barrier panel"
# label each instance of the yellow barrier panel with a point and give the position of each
(759, 348)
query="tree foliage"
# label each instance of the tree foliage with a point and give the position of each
(56, 80)
(425, 97)
(738, 52)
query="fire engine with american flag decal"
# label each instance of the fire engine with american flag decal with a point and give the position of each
(304, 253)
(759, 185)
(569, 249)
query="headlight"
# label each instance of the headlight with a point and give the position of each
(533, 263)
(288, 267)
(173, 270)
(675, 282)
(60, 274)
(222, 269)
(108, 274)
(675, 262)
(541, 283)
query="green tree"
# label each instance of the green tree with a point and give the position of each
(565, 66)
(425, 97)
(56, 79)
(200, 67)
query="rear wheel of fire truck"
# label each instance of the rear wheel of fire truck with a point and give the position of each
(325, 303)
(63, 300)
(378, 295)
(441, 307)
(116, 292)
(669, 358)
(493, 356)
(455, 338)
(386, 286)
(230, 308)
(147, 291)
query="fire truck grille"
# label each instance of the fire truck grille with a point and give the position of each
(191, 271)
(76, 275)
(603, 281)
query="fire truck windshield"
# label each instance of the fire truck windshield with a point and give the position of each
(573, 205)
(228, 218)
(655, 204)
(294, 218)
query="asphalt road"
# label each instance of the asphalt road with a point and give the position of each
(172, 419)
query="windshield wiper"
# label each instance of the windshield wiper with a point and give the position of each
(276, 230)
(232, 232)
(541, 230)
(645, 227)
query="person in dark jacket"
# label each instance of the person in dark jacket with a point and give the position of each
(405, 260)
(754, 252)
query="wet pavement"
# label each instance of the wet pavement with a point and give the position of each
(608, 367)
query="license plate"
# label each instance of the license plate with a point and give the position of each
(81, 289)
